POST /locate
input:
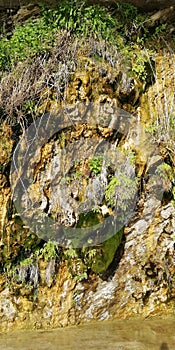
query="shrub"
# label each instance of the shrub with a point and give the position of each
(80, 18)
(37, 36)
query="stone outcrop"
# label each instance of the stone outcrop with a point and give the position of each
(44, 285)
(140, 280)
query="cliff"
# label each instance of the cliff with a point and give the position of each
(87, 168)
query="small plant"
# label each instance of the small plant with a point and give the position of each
(77, 174)
(165, 171)
(70, 253)
(97, 209)
(49, 251)
(120, 193)
(28, 40)
(29, 107)
(89, 255)
(26, 262)
(67, 179)
(159, 30)
(141, 62)
(110, 191)
(81, 276)
(76, 266)
(95, 165)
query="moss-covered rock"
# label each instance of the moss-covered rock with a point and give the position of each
(105, 253)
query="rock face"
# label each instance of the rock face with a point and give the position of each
(139, 285)
(139, 281)
(132, 272)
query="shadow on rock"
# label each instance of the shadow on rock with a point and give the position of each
(164, 346)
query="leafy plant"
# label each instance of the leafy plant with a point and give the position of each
(49, 251)
(29, 107)
(70, 253)
(131, 21)
(120, 193)
(76, 266)
(81, 18)
(27, 262)
(141, 61)
(95, 165)
(38, 36)
(159, 30)
(28, 40)
(165, 171)
(96, 209)
(110, 191)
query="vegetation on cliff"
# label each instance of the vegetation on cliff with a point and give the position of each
(88, 53)
(121, 25)
(43, 53)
